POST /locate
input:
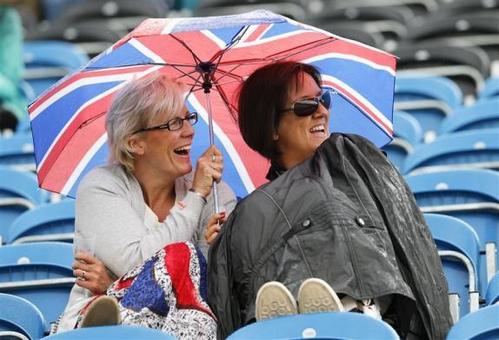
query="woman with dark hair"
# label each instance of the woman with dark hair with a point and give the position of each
(337, 227)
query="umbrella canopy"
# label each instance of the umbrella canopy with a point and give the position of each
(215, 55)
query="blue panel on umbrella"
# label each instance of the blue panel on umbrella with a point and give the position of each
(281, 28)
(60, 112)
(226, 34)
(360, 77)
(125, 55)
(346, 119)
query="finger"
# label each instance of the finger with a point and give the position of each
(212, 237)
(85, 284)
(81, 274)
(215, 229)
(85, 257)
(82, 266)
(215, 218)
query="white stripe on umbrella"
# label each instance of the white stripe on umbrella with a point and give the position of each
(83, 164)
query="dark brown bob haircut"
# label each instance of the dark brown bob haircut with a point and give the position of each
(262, 97)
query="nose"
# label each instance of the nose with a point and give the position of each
(187, 129)
(321, 111)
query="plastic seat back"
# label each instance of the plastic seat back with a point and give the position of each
(429, 100)
(20, 316)
(39, 272)
(470, 195)
(482, 115)
(407, 134)
(459, 250)
(47, 222)
(490, 89)
(479, 325)
(317, 325)
(492, 295)
(18, 152)
(468, 149)
(18, 192)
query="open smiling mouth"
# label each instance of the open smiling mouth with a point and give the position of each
(183, 150)
(318, 129)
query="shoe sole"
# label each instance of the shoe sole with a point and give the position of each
(315, 295)
(104, 311)
(273, 300)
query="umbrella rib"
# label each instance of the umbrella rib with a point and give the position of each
(237, 37)
(196, 59)
(225, 100)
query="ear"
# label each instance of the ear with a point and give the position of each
(275, 135)
(135, 145)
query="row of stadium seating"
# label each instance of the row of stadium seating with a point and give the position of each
(471, 195)
(41, 273)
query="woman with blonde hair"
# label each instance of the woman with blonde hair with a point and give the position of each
(148, 211)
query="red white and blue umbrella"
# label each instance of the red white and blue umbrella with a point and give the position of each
(68, 119)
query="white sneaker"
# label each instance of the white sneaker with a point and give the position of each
(103, 311)
(315, 295)
(272, 300)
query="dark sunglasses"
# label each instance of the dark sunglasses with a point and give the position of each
(174, 123)
(306, 107)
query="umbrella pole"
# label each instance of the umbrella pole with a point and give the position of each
(212, 141)
(207, 69)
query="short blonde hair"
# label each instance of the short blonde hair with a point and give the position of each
(135, 107)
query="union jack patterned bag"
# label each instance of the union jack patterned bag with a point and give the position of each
(168, 293)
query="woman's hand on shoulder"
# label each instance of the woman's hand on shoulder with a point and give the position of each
(209, 168)
(214, 226)
(91, 273)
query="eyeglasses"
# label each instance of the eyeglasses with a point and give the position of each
(174, 123)
(306, 107)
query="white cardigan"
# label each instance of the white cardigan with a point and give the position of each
(110, 205)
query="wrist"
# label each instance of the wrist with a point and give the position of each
(197, 193)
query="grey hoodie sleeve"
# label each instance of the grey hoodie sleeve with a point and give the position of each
(113, 210)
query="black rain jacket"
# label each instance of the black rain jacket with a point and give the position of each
(346, 216)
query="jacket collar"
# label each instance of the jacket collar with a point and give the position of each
(275, 171)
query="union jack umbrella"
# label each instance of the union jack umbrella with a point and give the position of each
(215, 55)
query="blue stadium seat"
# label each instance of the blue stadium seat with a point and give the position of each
(470, 195)
(47, 61)
(490, 89)
(335, 325)
(468, 149)
(18, 192)
(407, 134)
(428, 99)
(111, 332)
(20, 316)
(39, 272)
(47, 222)
(481, 115)
(492, 295)
(459, 250)
(17, 152)
(480, 325)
